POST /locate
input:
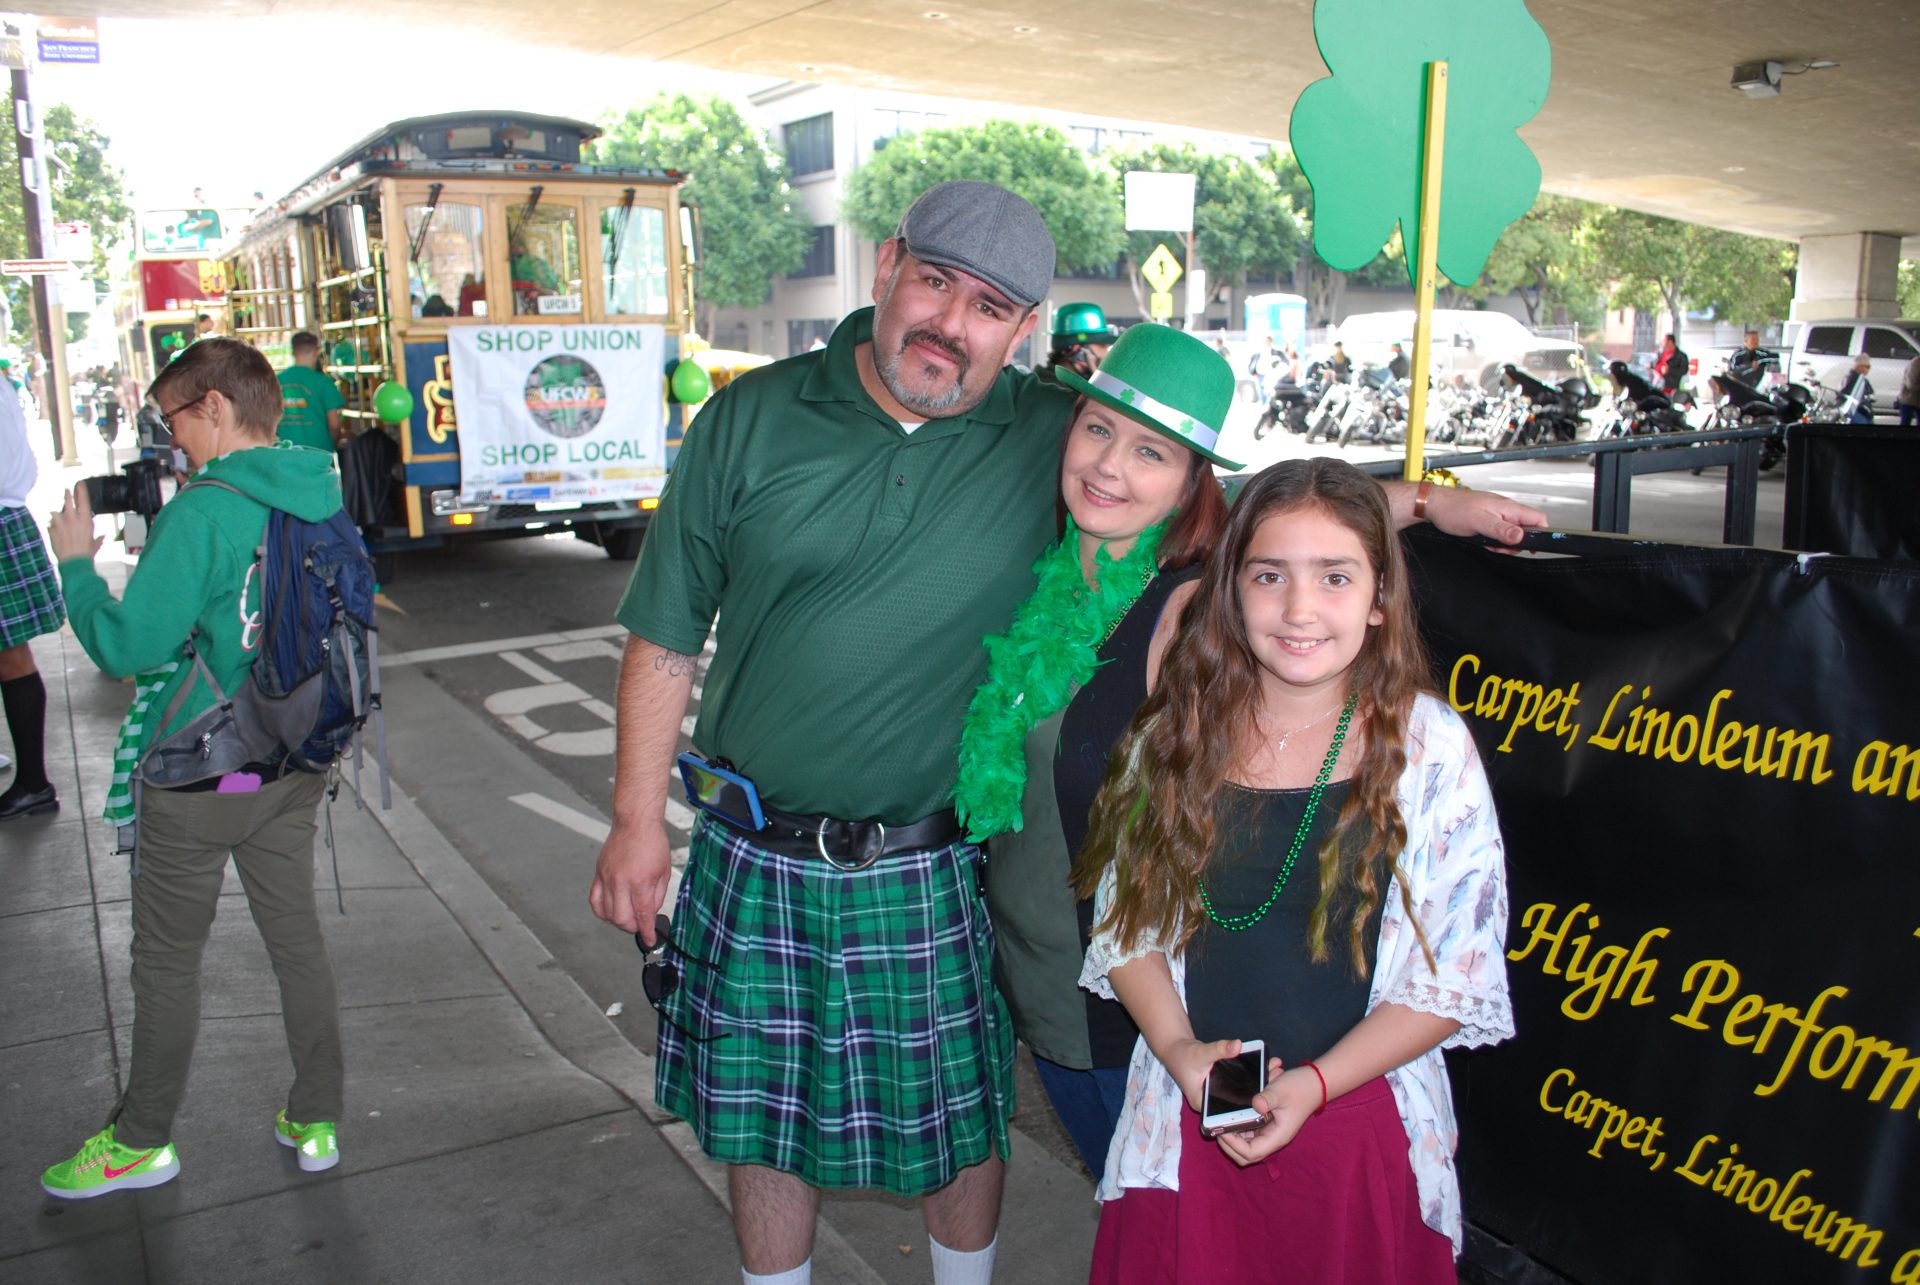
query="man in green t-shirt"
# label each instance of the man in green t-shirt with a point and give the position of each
(310, 402)
(856, 518)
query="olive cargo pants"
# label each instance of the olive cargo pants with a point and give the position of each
(184, 840)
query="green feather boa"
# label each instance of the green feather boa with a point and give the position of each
(1035, 667)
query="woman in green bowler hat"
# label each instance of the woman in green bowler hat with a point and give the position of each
(1142, 512)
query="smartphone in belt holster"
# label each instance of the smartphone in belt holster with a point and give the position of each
(716, 789)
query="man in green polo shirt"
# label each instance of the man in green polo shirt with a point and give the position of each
(857, 519)
(310, 402)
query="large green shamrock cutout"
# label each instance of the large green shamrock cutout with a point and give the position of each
(1357, 133)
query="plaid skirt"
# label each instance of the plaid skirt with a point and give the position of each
(841, 1026)
(30, 602)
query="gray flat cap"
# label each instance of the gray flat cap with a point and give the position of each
(986, 232)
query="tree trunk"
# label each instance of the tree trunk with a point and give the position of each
(1139, 287)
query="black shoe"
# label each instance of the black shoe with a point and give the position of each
(17, 802)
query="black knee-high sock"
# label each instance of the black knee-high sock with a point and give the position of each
(26, 704)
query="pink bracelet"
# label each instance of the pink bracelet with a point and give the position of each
(1323, 1085)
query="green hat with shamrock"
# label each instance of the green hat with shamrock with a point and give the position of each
(1167, 379)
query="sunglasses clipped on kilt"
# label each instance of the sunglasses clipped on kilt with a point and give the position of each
(660, 976)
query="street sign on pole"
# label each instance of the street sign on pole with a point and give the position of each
(34, 267)
(1160, 304)
(1161, 269)
(69, 40)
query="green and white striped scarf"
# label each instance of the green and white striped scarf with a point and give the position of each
(126, 752)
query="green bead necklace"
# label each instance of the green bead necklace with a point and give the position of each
(1240, 923)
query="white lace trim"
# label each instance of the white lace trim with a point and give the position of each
(1484, 1019)
(1102, 959)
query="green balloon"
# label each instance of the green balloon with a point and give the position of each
(392, 402)
(344, 354)
(690, 382)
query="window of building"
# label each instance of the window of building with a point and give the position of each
(1829, 341)
(543, 254)
(819, 260)
(445, 274)
(810, 145)
(803, 335)
(633, 261)
(1881, 342)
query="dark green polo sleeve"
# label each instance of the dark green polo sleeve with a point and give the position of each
(682, 573)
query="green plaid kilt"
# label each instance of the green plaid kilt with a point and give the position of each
(841, 1026)
(30, 602)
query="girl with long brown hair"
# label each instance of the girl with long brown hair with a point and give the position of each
(1291, 726)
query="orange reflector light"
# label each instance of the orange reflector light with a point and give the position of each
(462, 519)
(650, 502)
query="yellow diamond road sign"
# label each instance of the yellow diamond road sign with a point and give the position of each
(1161, 269)
(1160, 304)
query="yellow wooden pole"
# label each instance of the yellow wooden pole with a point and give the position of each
(1425, 270)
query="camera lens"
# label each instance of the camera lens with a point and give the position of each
(109, 494)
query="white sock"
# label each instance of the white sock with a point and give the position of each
(801, 1275)
(956, 1267)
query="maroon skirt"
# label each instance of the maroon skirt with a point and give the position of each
(1336, 1205)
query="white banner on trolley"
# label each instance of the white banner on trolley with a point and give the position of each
(557, 412)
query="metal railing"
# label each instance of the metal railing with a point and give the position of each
(1618, 460)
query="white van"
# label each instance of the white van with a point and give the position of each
(1824, 351)
(1465, 342)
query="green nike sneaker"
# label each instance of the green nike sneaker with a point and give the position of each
(316, 1144)
(103, 1165)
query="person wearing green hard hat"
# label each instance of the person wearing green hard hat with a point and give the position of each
(1081, 337)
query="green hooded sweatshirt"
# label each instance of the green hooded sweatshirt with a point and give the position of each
(193, 575)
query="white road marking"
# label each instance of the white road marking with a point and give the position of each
(459, 651)
(686, 724)
(561, 652)
(679, 815)
(593, 828)
(537, 673)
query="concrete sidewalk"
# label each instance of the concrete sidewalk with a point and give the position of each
(473, 1148)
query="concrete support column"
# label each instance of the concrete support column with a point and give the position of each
(1847, 274)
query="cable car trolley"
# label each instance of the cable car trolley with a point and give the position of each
(503, 320)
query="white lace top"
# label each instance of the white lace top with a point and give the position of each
(1455, 870)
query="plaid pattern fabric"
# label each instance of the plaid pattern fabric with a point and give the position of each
(842, 1026)
(30, 602)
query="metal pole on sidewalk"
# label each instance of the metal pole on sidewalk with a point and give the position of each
(36, 208)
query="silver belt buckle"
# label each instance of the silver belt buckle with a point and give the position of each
(858, 863)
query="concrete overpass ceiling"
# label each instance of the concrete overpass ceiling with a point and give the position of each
(1641, 113)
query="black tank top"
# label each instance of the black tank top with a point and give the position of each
(1261, 983)
(1094, 722)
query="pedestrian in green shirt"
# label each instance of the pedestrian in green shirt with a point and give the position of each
(310, 402)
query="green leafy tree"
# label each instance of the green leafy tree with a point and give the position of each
(752, 227)
(1321, 285)
(87, 188)
(1658, 263)
(1080, 203)
(1541, 260)
(1243, 221)
(1909, 287)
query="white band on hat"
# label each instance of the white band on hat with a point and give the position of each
(1174, 421)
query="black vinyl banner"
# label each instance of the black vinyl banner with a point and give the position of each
(1707, 765)
(1851, 488)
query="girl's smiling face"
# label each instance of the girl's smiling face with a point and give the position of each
(1308, 596)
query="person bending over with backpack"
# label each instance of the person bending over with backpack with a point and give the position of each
(195, 582)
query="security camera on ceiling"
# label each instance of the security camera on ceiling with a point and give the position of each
(1757, 79)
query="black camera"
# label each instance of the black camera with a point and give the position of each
(137, 492)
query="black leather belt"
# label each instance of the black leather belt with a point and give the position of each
(852, 845)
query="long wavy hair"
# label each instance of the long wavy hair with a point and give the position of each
(1198, 517)
(1157, 816)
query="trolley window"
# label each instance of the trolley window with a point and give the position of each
(543, 255)
(633, 260)
(447, 259)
